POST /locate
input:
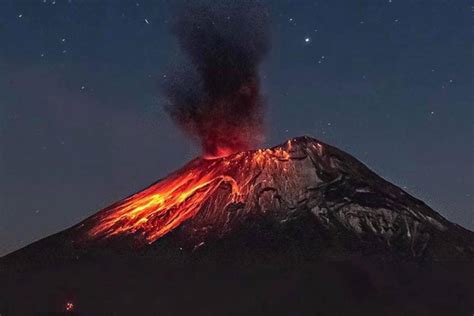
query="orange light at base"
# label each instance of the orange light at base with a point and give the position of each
(69, 307)
(157, 210)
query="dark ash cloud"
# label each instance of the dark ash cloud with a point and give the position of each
(216, 97)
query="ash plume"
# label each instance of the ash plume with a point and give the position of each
(216, 97)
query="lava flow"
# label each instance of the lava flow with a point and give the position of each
(157, 210)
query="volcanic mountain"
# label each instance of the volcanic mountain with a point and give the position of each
(301, 228)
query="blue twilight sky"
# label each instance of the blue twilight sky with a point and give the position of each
(82, 124)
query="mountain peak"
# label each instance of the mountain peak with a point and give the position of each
(213, 199)
(300, 180)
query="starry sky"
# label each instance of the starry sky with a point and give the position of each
(82, 121)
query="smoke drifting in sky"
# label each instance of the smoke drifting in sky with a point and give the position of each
(216, 97)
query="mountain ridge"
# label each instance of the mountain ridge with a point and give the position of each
(341, 192)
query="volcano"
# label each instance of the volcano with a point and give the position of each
(302, 228)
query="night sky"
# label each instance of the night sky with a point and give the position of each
(82, 121)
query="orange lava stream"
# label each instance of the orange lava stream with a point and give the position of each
(162, 207)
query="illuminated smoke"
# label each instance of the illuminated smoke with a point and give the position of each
(216, 97)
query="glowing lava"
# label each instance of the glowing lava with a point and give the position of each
(157, 210)
(220, 152)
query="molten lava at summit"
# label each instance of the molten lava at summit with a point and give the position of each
(162, 207)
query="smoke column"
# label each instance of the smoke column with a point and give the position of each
(216, 97)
